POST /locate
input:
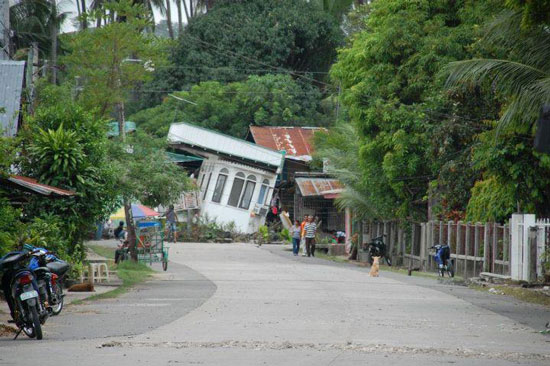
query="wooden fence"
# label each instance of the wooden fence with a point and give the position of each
(475, 247)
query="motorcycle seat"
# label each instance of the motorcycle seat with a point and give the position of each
(59, 268)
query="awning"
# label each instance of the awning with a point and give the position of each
(181, 158)
(314, 187)
(32, 185)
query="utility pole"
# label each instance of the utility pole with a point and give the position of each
(4, 29)
(31, 77)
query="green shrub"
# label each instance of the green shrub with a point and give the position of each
(263, 234)
(284, 235)
(10, 226)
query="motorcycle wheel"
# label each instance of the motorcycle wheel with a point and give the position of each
(56, 309)
(388, 260)
(34, 330)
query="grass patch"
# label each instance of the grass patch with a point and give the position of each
(106, 252)
(131, 274)
(520, 293)
(334, 258)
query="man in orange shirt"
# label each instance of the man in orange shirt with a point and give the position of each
(302, 235)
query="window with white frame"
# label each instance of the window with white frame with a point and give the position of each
(207, 185)
(236, 190)
(220, 185)
(263, 190)
(248, 192)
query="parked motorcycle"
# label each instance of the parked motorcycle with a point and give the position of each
(21, 291)
(377, 248)
(50, 272)
(443, 260)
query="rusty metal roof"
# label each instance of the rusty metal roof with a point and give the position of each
(11, 85)
(31, 184)
(295, 141)
(311, 187)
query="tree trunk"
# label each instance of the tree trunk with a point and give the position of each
(169, 19)
(78, 12)
(127, 203)
(180, 20)
(186, 11)
(131, 229)
(83, 22)
(191, 8)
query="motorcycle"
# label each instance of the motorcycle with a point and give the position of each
(22, 294)
(377, 248)
(443, 260)
(50, 272)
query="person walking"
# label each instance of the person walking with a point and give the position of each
(296, 231)
(310, 230)
(171, 220)
(303, 235)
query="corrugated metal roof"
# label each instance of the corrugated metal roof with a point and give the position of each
(295, 141)
(43, 189)
(185, 133)
(310, 187)
(11, 86)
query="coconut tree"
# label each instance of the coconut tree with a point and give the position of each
(38, 21)
(339, 150)
(522, 75)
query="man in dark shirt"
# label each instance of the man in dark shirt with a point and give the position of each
(119, 231)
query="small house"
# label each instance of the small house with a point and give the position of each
(301, 190)
(236, 178)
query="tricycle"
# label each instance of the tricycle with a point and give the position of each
(150, 243)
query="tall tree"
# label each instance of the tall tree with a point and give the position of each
(237, 39)
(111, 61)
(390, 86)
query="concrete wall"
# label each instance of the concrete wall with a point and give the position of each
(246, 220)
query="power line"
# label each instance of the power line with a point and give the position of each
(235, 54)
(230, 68)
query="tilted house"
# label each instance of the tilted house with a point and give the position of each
(236, 178)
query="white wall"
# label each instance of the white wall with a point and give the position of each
(246, 221)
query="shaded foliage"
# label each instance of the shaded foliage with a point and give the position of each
(66, 146)
(269, 100)
(396, 102)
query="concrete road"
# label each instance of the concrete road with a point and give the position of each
(270, 308)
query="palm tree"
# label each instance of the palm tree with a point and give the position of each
(169, 19)
(180, 19)
(55, 20)
(340, 150)
(522, 75)
(38, 21)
